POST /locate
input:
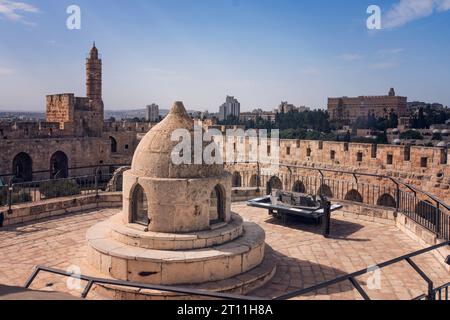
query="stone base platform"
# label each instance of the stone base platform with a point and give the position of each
(240, 285)
(235, 249)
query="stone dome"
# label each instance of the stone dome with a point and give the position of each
(153, 156)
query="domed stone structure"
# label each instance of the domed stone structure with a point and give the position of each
(176, 226)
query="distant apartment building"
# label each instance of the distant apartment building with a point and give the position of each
(231, 107)
(286, 107)
(256, 114)
(348, 109)
(152, 113)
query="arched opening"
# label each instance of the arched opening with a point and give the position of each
(274, 184)
(255, 181)
(386, 200)
(325, 190)
(299, 187)
(217, 205)
(59, 166)
(23, 167)
(113, 145)
(354, 196)
(237, 180)
(139, 207)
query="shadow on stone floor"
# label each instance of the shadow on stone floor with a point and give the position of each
(295, 274)
(340, 230)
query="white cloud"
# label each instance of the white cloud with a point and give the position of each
(5, 71)
(13, 10)
(351, 56)
(406, 11)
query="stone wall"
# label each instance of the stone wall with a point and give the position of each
(58, 207)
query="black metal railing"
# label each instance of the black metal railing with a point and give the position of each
(421, 207)
(24, 192)
(439, 293)
(91, 281)
(432, 294)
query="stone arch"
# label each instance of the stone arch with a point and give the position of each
(22, 167)
(255, 181)
(326, 191)
(59, 165)
(113, 143)
(217, 205)
(139, 206)
(354, 196)
(386, 200)
(274, 183)
(299, 187)
(237, 180)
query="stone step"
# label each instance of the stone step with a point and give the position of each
(130, 263)
(187, 241)
(241, 285)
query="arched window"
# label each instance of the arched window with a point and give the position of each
(354, 195)
(299, 187)
(59, 166)
(325, 190)
(23, 167)
(139, 207)
(113, 145)
(274, 183)
(237, 180)
(255, 181)
(386, 200)
(217, 205)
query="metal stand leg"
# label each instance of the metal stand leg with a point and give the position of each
(327, 219)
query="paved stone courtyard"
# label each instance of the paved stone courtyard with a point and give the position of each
(304, 257)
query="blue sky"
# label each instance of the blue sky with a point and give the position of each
(198, 51)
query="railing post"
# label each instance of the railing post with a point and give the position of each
(438, 220)
(96, 182)
(9, 195)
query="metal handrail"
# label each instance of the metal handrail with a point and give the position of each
(397, 182)
(352, 277)
(91, 281)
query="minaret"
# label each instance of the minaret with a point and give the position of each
(94, 75)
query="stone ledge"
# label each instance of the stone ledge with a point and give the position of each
(162, 241)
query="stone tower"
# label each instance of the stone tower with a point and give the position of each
(94, 75)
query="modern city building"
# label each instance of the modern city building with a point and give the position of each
(152, 113)
(231, 107)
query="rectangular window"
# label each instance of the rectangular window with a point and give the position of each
(407, 153)
(308, 152)
(359, 157)
(444, 156)
(320, 145)
(390, 159)
(346, 147)
(288, 151)
(298, 144)
(424, 162)
(332, 155)
(374, 151)
(268, 150)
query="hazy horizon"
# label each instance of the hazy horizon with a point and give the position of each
(262, 52)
